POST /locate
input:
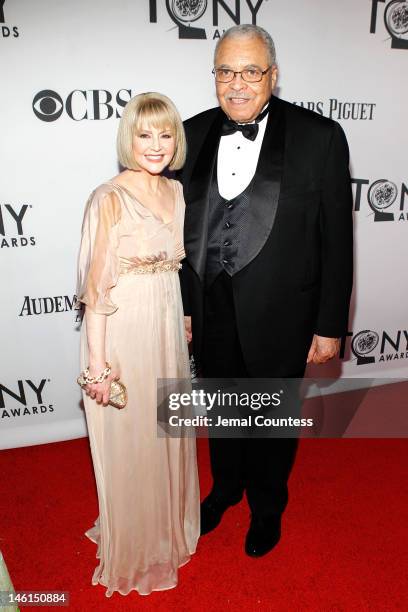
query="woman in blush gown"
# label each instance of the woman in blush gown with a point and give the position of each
(131, 248)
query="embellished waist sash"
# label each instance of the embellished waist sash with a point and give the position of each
(162, 265)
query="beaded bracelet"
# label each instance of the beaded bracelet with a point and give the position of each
(90, 380)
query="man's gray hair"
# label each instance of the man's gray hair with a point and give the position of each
(248, 29)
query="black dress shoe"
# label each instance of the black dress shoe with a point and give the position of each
(212, 510)
(263, 535)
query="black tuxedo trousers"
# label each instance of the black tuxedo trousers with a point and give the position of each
(260, 466)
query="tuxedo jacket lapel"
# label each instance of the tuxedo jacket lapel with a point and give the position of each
(197, 196)
(266, 188)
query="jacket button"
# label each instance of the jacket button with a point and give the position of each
(227, 225)
(227, 243)
(225, 262)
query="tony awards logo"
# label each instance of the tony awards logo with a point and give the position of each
(7, 30)
(364, 343)
(381, 195)
(24, 398)
(188, 10)
(368, 346)
(395, 21)
(12, 232)
(184, 13)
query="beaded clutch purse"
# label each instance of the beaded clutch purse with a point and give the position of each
(118, 393)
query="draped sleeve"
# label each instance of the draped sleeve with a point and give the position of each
(98, 261)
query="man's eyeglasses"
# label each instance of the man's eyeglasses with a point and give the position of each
(250, 75)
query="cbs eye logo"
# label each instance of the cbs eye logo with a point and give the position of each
(48, 105)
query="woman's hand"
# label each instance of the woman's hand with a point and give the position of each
(187, 327)
(100, 391)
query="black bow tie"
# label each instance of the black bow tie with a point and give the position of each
(249, 130)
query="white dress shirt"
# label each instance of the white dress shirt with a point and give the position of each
(237, 161)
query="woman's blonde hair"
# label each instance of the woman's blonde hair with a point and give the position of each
(155, 110)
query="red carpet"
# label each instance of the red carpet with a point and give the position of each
(344, 544)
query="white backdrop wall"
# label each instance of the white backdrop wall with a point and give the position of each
(61, 60)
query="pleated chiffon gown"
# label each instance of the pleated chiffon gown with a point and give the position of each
(148, 493)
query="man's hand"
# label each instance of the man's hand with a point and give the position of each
(187, 327)
(322, 349)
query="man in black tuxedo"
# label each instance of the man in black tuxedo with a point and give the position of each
(268, 271)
